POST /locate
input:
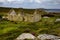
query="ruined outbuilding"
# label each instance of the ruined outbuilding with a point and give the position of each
(26, 15)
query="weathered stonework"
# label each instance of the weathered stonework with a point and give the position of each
(22, 16)
(19, 17)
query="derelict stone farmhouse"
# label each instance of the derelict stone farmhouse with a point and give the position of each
(24, 15)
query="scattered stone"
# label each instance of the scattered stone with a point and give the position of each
(57, 20)
(24, 36)
(48, 37)
(45, 17)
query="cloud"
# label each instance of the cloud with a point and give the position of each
(11, 0)
(56, 2)
(28, 1)
(41, 1)
(35, 1)
(32, 3)
(38, 1)
(15, 0)
(2, 0)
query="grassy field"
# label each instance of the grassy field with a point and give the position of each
(10, 30)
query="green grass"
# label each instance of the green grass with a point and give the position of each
(10, 30)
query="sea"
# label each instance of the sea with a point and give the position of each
(52, 10)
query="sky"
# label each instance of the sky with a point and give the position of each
(49, 4)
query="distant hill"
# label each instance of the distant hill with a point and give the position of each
(4, 10)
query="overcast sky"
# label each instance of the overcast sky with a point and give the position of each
(31, 3)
